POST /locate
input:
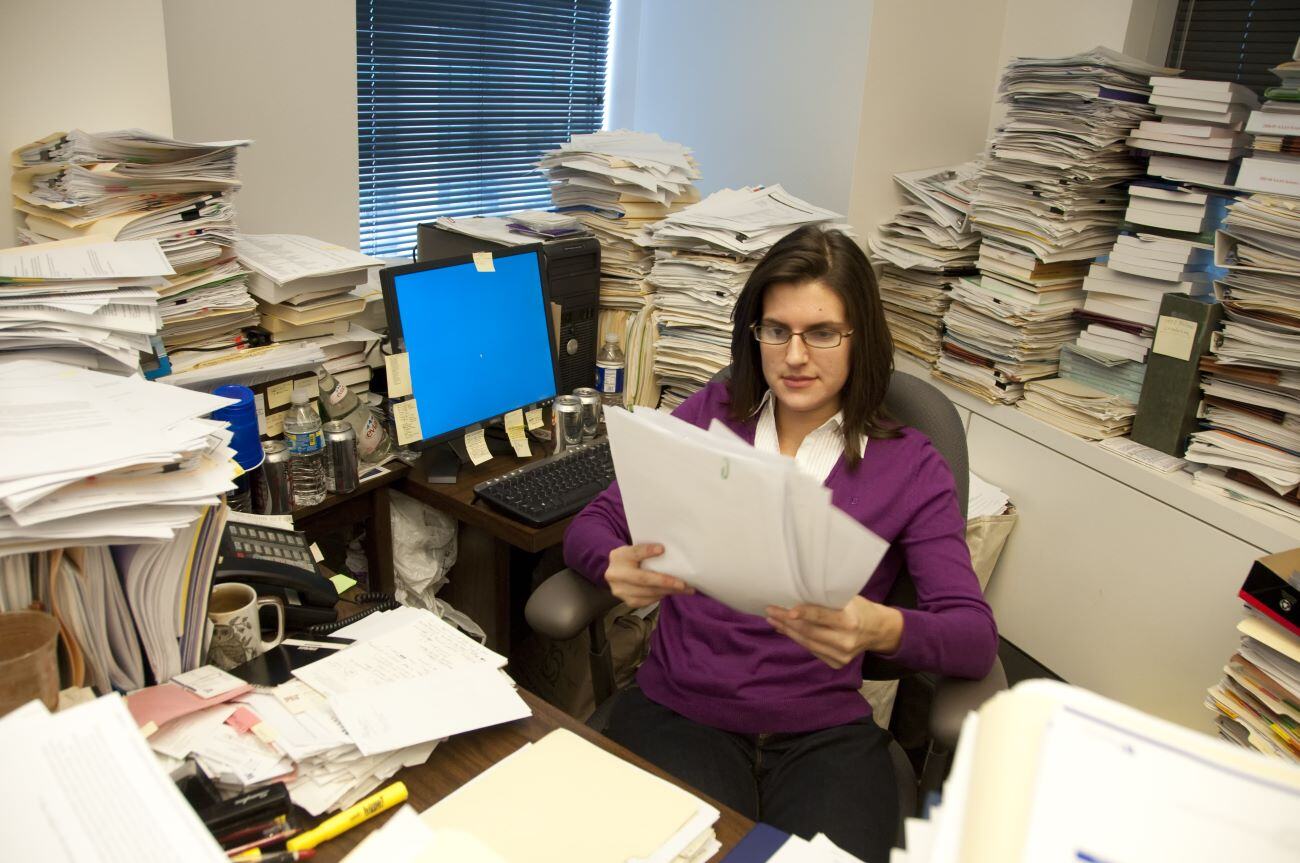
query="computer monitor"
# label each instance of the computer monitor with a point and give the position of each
(478, 335)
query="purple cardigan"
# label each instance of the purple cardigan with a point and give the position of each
(732, 671)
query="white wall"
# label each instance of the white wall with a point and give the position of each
(763, 91)
(79, 64)
(284, 74)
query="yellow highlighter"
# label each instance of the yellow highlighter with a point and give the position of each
(349, 818)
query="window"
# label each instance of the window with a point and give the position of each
(457, 100)
(1234, 40)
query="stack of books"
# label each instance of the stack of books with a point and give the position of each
(1049, 196)
(1250, 393)
(133, 185)
(703, 257)
(1257, 702)
(1275, 128)
(925, 247)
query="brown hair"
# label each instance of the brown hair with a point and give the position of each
(813, 254)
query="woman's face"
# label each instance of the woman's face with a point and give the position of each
(803, 379)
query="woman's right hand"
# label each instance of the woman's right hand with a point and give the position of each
(636, 586)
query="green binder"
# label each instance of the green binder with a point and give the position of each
(1171, 390)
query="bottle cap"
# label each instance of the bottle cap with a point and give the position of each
(611, 337)
(299, 397)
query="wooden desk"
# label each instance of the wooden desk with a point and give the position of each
(479, 584)
(461, 758)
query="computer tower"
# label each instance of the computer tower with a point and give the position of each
(573, 277)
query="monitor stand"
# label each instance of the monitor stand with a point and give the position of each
(441, 462)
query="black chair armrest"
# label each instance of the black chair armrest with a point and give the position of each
(565, 604)
(954, 698)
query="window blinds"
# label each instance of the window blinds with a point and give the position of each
(1234, 40)
(457, 100)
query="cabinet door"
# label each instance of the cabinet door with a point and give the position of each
(1107, 586)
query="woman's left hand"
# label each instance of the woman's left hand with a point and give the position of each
(839, 637)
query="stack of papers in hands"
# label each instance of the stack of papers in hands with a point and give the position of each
(347, 722)
(1048, 771)
(102, 459)
(1049, 183)
(703, 257)
(80, 785)
(1078, 408)
(762, 532)
(129, 185)
(596, 806)
(83, 303)
(925, 247)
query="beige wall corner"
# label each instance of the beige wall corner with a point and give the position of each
(931, 66)
(79, 64)
(284, 74)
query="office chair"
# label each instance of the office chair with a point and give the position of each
(566, 603)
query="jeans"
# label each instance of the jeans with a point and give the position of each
(838, 781)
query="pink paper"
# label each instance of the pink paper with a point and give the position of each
(243, 719)
(161, 704)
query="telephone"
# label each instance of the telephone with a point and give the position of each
(277, 562)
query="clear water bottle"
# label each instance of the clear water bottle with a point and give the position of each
(609, 371)
(302, 429)
(373, 443)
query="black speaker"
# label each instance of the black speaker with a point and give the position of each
(573, 279)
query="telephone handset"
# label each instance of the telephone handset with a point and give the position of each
(277, 562)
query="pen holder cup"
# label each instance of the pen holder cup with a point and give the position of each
(29, 665)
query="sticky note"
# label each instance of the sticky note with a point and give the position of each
(483, 262)
(534, 419)
(518, 437)
(399, 375)
(278, 395)
(259, 404)
(477, 446)
(243, 720)
(275, 424)
(149, 729)
(406, 416)
(1175, 337)
(343, 582)
(265, 732)
(316, 553)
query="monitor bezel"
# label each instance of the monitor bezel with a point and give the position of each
(397, 336)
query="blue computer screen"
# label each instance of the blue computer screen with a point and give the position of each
(478, 342)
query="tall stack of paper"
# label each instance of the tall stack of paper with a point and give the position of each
(86, 304)
(791, 546)
(703, 256)
(1006, 325)
(1048, 771)
(1251, 404)
(80, 785)
(345, 723)
(1078, 408)
(100, 459)
(1273, 166)
(925, 247)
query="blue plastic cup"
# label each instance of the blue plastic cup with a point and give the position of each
(242, 417)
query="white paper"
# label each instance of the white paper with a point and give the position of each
(131, 259)
(208, 681)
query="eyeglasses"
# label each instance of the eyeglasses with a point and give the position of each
(775, 334)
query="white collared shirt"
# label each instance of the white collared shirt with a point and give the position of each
(818, 452)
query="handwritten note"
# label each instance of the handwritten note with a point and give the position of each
(477, 446)
(518, 437)
(406, 416)
(399, 375)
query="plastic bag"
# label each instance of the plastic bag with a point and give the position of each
(424, 551)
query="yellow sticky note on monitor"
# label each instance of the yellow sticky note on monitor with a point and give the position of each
(534, 419)
(477, 446)
(399, 375)
(518, 437)
(279, 394)
(483, 262)
(406, 416)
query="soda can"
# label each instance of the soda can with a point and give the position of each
(273, 494)
(591, 417)
(340, 457)
(568, 422)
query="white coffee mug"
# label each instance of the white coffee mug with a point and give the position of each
(236, 632)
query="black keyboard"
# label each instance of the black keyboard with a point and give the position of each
(553, 488)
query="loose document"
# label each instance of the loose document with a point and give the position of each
(745, 527)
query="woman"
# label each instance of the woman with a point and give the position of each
(763, 713)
